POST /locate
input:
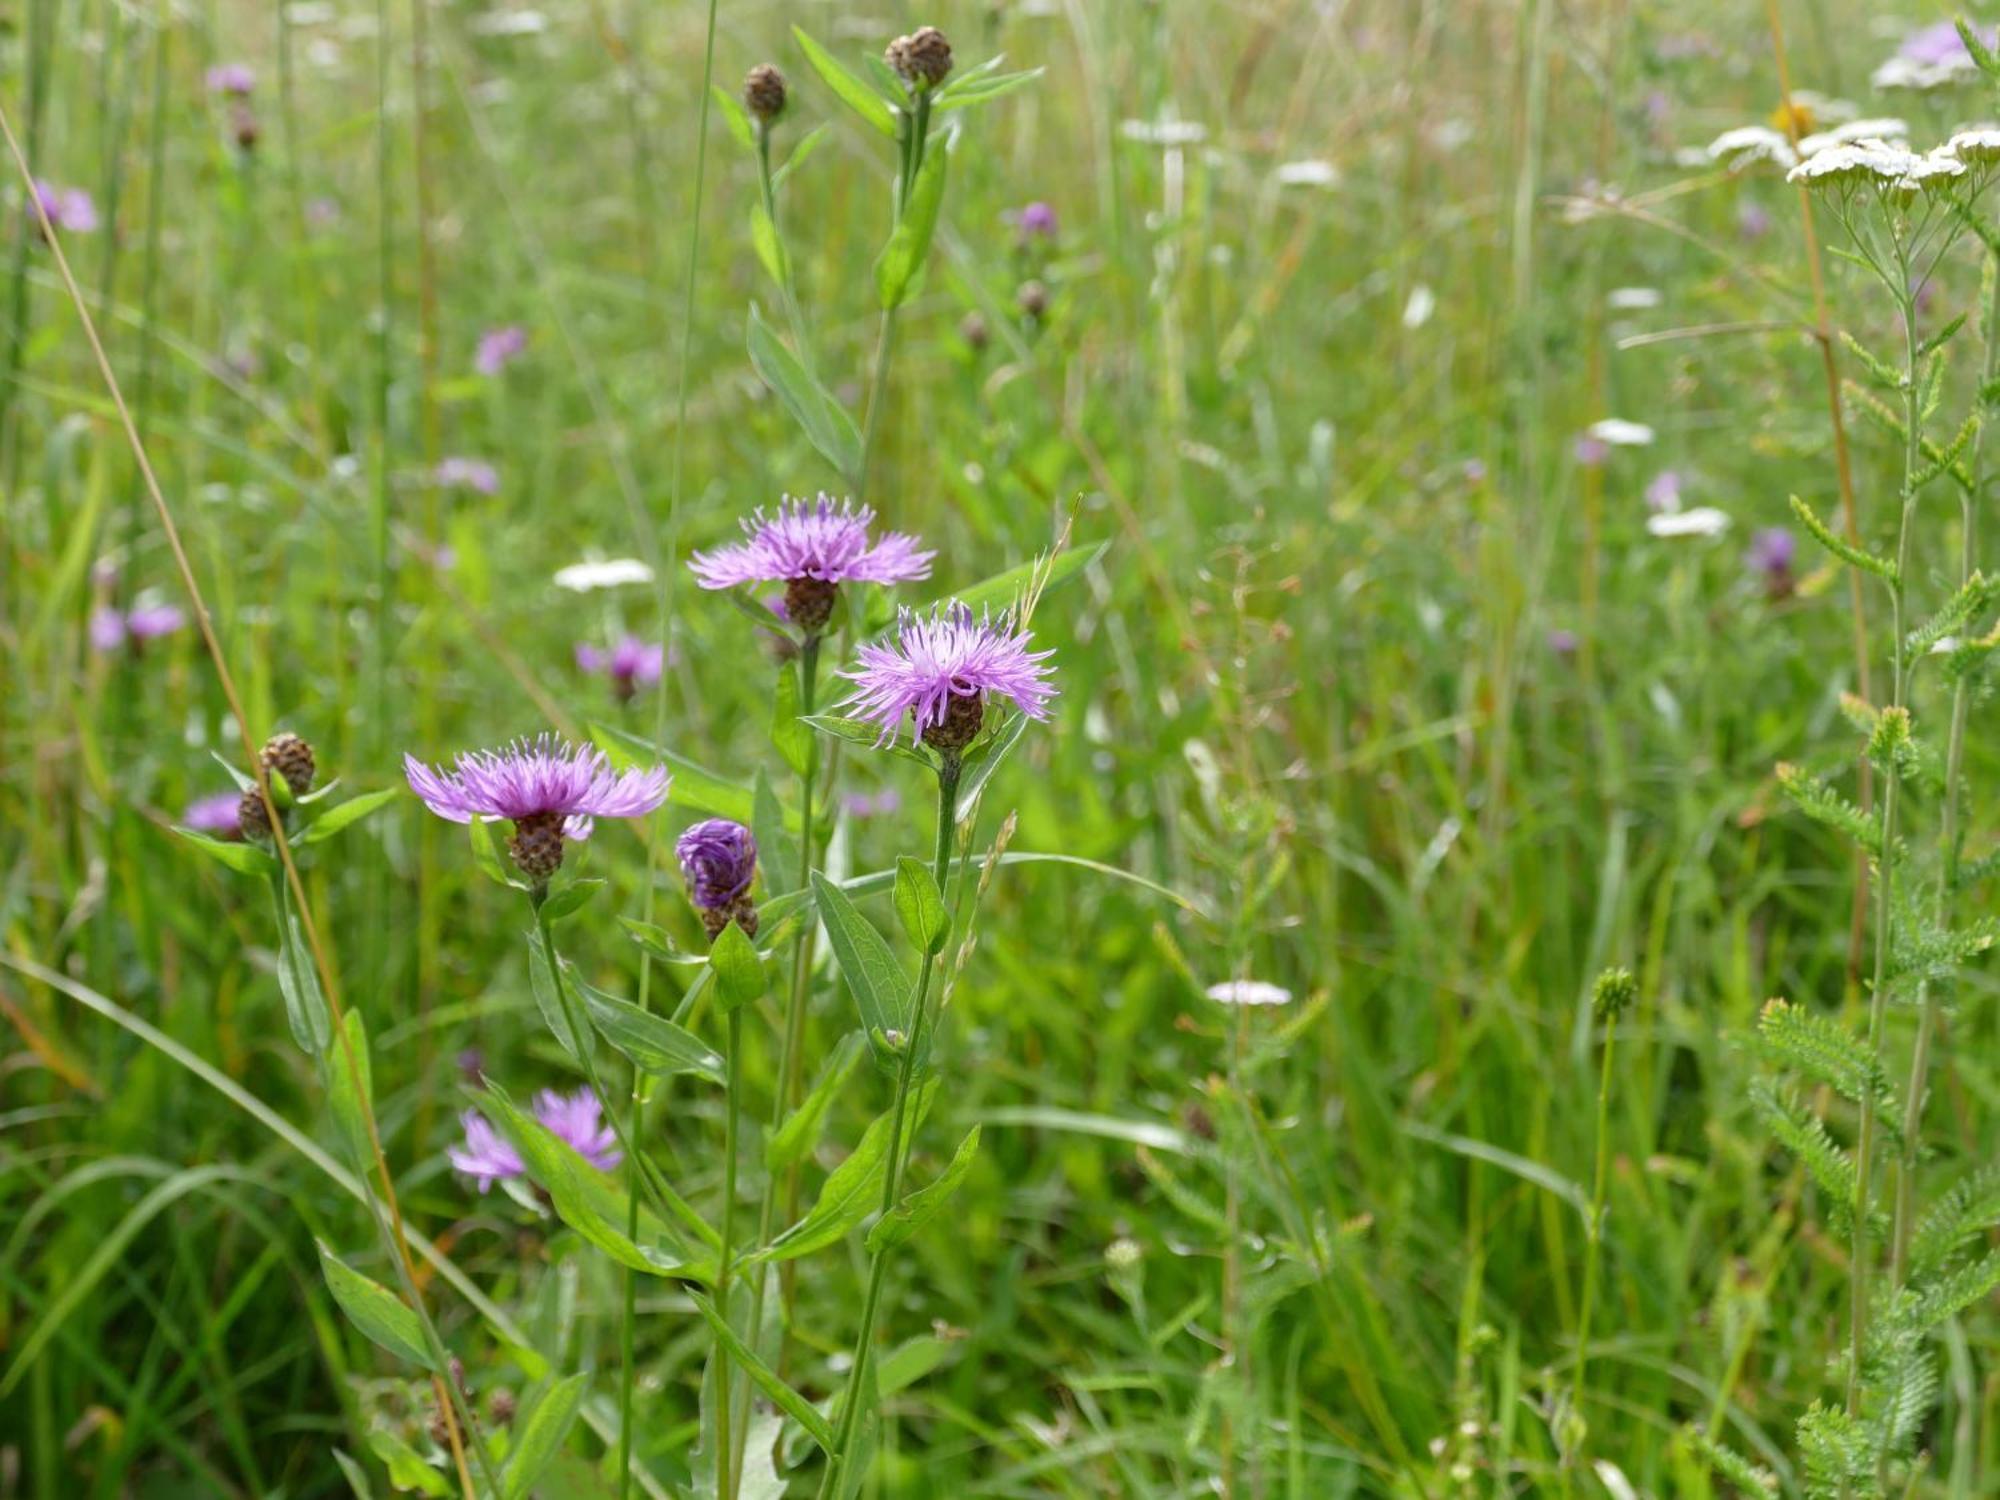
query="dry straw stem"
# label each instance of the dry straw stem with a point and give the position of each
(250, 755)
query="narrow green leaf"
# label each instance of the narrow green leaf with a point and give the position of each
(486, 854)
(1002, 589)
(825, 422)
(861, 732)
(793, 739)
(571, 899)
(853, 91)
(882, 991)
(350, 812)
(900, 267)
(407, 1469)
(355, 1475)
(984, 761)
(555, 1015)
(694, 786)
(352, 1085)
(810, 142)
(919, 906)
(298, 981)
(920, 1207)
(652, 1043)
(246, 858)
(767, 1380)
(794, 1140)
(735, 117)
(978, 91)
(770, 249)
(739, 972)
(374, 1310)
(777, 852)
(539, 1434)
(852, 1191)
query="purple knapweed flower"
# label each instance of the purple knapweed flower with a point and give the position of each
(1770, 556)
(1037, 221)
(111, 628)
(576, 1119)
(459, 473)
(631, 664)
(719, 860)
(1939, 44)
(1591, 450)
(940, 671)
(217, 815)
(812, 547)
(233, 79)
(499, 347)
(71, 210)
(550, 790)
(1663, 491)
(881, 804)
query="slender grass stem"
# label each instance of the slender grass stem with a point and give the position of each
(725, 1448)
(1594, 1239)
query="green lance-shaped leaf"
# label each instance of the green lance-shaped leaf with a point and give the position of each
(539, 1434)
(868, 736)
(983, 760)
(589, 1201)
(919, 906)
(298, 982)
(571, 899)
(555, 1014)
(354, 1474)
(853, 90)
(653, 1044)
(247, 859)
(795, 1139)
(823, 419)
(920, 1207)
(352, 1081)
(793, 739)
(739, 971)
(350, 812)
(735, 117)
(486, 855)
(853, 1190)
(763, 1376)
(1823, 534)
(901, 265)
(375, 1310)
(978, 90)
(777, 850)
(1002, 589)
(882, 991)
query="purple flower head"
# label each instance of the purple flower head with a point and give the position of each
(216, 815)
(881, 805)
(1771, 552)
(467, 474)
(551, 790)
(107, 628)
(719, 860)
(1562, 642)
(1591, 450)
(471, 1064)
(1663, 493)
(110, 629)
(70, 209)
(1037, 221)
(576, 1119)
(498, 347)
(821, 540)
(941, 668)
(631, 664)
(1939, 43)
(322, 213)
(1753, 221)
(233, 79)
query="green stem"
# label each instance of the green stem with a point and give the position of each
(892, 1182)
(725, 1380)
(1594, 1240)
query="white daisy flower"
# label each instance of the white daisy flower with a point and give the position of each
(1703, 520)
(1620, 433)
(583, 577)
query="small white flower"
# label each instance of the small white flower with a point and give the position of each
(1871, 158)
(1417, 311)
(1620, 433)
(510, 23)
(1249, 992)
(1909, 73)
(582, 577)
(1307, 174)
(1703, 520)
(1164, 132)
(1852, 132)
(1978, 143)
(1749, 144)
(1633, 298)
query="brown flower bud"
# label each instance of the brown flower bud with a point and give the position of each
(922, 58)
(764, 92)
(289, 756)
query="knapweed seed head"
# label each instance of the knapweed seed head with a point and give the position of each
(921, 59)
(764, 92)
(812, 547)
(939, 671)
(287, 756)
(1613, 993)
(549, 789)
(719, 860)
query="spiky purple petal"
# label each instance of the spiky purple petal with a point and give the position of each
(529, 778)
(947, 654)
(822, 539)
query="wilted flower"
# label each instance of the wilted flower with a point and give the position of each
(940, 671)
(576, 1119)
(216, 815)
(71, 210)
(812, 547)
(498, 347)
(719, 860)
(631, 664)
(460, 473)
(550, 790)
(1249, 992)
(584, 577)
(1703, 520)
(111, 628)
(233, 79)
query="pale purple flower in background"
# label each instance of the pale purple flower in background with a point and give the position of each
(631, 664)
(577, 1120)
(550, 790)
(322, 213)
(1770, 555)
(71, 210)
(1753, 221)
(940, 669)
(718, 860)
(233, 79)
(1474, 470)
(1037, 221)
(1663, 493)
(1591, 451)
(498, 347)
(1562, 642)
(1940, 43)
(459, 473)
(111, 628)
(216, 814)
(882, 804)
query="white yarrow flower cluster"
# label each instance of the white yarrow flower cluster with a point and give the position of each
(1975, 145)
(1620, 433)
(1749, 145)
(1249, 992)
(1885, 163)
(1703, 520)
(1913, 73)
(1854, 131)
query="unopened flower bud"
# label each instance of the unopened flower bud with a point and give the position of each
(922, 58)
(1032, 299)
(972, 328)
(1614, 992)
(764, 92)
(719, 861)
(290, 757)
(244, 128)
(501, 1407)
(251, 819)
